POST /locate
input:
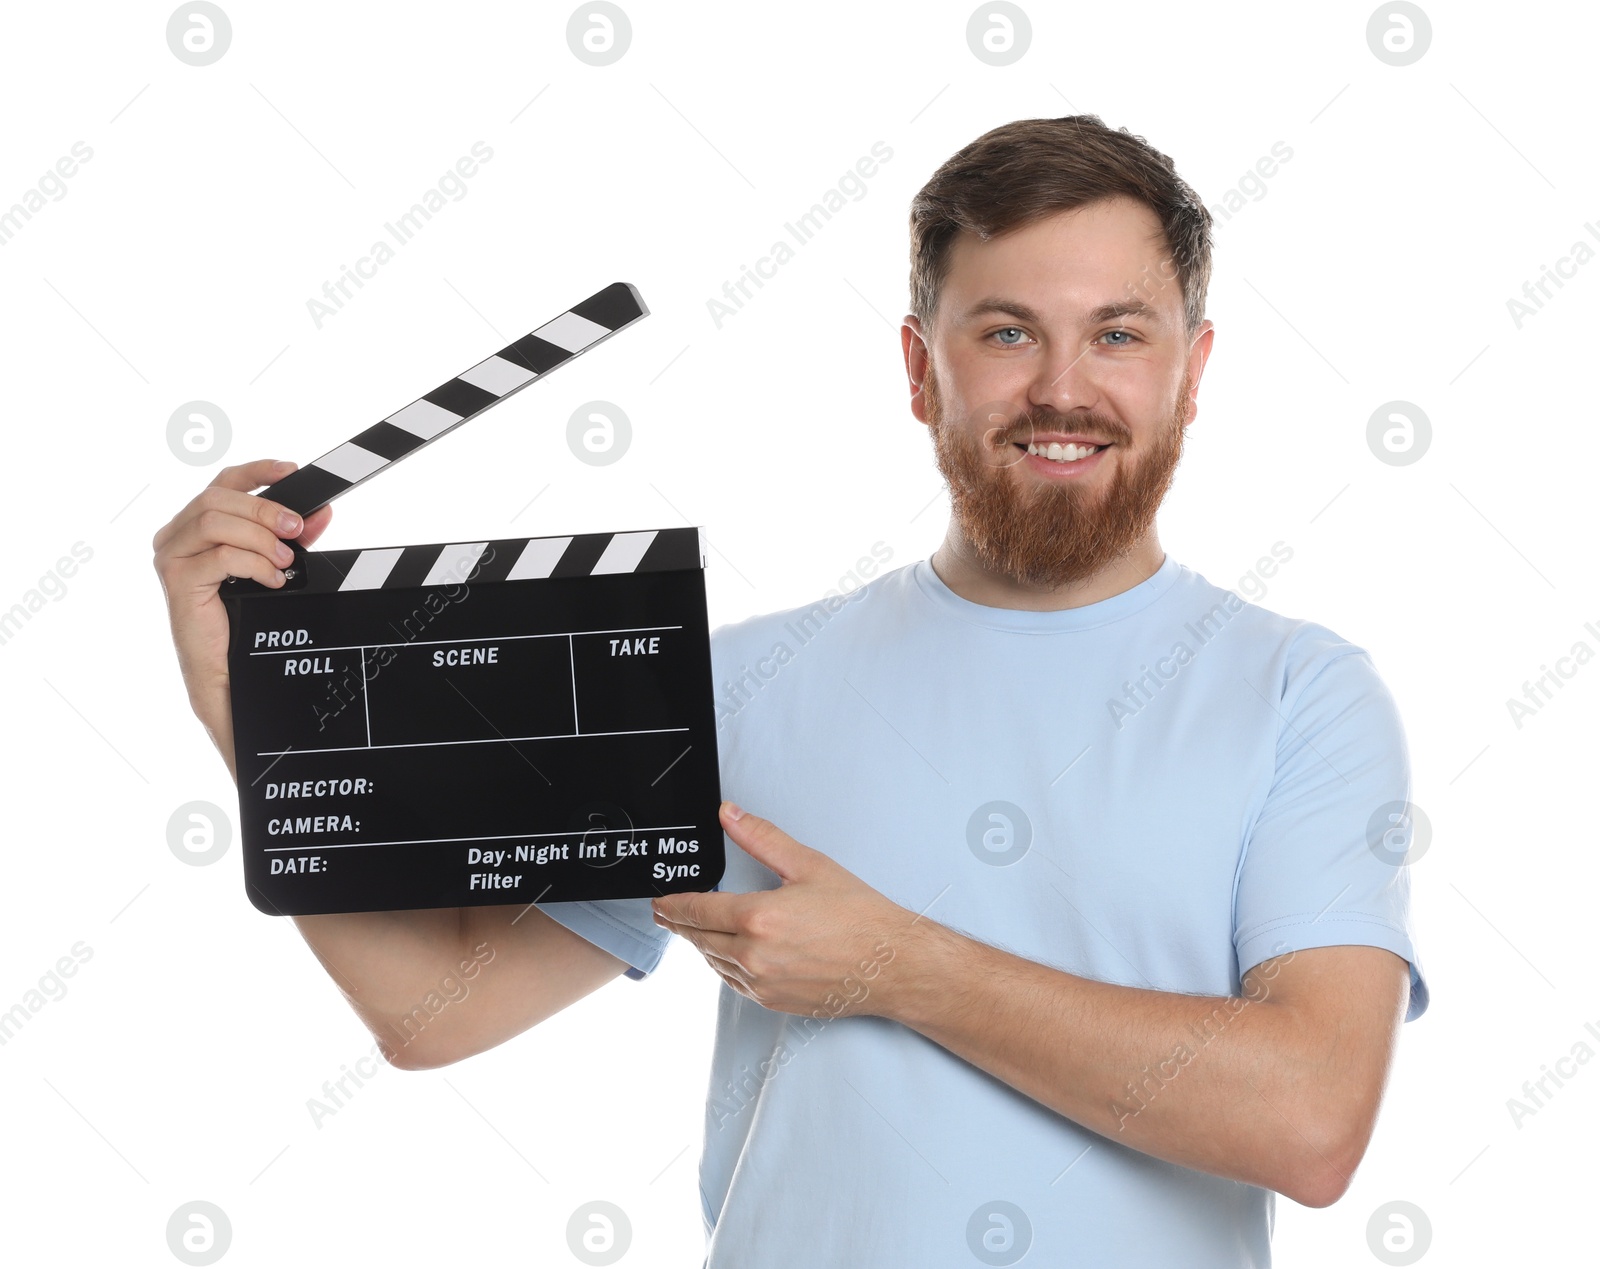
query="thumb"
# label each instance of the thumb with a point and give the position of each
(765, 842)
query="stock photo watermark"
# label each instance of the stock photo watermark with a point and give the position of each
(1141, 691)
(52, 186)
(1398, 433)
(52, 986)
(1399, 1233)
(1537, 1093)
(803, 229)
(999, 833)
(198, 833)
(199, 1233)
(1399, 833)
(451, 187)
(199, 33)
(1540, 692)
(737, 1097)
(198, 433)
(435, 600)
(743, 688)
(51, 587)
(1151, 1083)
(999, 1233)
(599, 33)
(999, 33)
(1399, 33)
(1252, 186)
(599, 1233)
(337, 1093)
(599, 433)
(1536, 293)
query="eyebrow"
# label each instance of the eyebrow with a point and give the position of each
(1023, 313)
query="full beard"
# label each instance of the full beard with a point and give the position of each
(1062, 531)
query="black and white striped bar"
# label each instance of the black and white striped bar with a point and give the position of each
(456, 400)
(495, 560)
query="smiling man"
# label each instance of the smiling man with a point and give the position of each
(1058, 923)
(1069, 919)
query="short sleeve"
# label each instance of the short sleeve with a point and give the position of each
(624, 927)
(1320, 866)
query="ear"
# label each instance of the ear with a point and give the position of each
(1199, 353)
(915, 351)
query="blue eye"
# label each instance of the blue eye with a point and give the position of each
(1127, 340)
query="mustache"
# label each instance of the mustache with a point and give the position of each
(1002, 429)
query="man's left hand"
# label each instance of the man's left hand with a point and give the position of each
(817, 942)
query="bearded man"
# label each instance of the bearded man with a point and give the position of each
(1070, 917)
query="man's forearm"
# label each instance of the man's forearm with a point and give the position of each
(213, 708)
(1231, 1086)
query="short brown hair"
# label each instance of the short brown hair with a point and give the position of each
(1030, 168)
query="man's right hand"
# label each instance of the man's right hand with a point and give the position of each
(387, 964)
(224, 532)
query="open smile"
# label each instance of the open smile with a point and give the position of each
(1061, 460)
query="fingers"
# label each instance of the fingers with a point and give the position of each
(315, 523)
(708, 910)
(229, 493)
(249, 476)
(227, 532)
(721, 951)
(208, 569)
(227, 517)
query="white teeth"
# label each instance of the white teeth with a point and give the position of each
(1059, 453)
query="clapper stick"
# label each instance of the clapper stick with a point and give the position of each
(456, 400)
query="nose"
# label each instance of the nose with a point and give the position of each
(1066, 381)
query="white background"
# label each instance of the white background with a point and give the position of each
(1376, 266)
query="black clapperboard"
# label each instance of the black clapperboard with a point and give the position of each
(508, 721)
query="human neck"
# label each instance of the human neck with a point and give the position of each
(959, 568)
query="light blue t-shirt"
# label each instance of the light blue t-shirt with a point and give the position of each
(1159, 790)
